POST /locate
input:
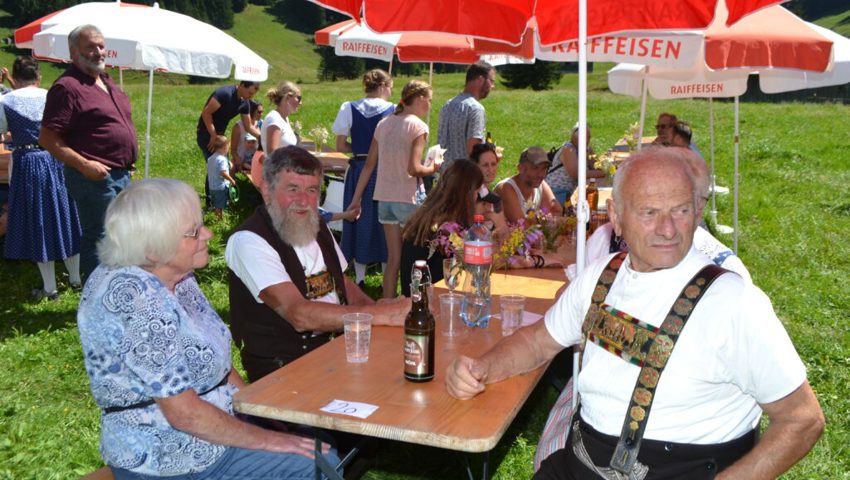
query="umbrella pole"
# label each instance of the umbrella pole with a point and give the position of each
(430, 82)
(713, 212)
(390, 70)
(642, 111)
(737, 175)
(148, 130)
(121, 77)
(582, 209)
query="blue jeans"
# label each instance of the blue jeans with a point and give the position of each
(395, 213)
(245, 464)
(92, 198)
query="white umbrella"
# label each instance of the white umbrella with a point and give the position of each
(150, 39)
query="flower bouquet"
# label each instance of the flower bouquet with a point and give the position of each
(605, 163)
(551, 227)
(320, 135)
(632, 136)
(516, 245)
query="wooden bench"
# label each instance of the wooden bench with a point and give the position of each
(102, 474)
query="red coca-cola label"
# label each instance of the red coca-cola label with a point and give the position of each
(477, 253)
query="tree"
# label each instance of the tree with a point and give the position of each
(219, 13)
(537, 76)
(332, 67)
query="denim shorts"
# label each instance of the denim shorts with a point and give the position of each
(220, 198)
(395, 213)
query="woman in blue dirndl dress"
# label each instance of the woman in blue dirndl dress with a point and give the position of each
(43, 224)
(363, 240)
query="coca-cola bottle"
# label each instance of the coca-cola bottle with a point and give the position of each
(477, 260)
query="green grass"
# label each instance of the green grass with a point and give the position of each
(795, 219)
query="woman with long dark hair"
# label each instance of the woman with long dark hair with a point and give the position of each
(453, 199)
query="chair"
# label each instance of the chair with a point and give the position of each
(333, 199)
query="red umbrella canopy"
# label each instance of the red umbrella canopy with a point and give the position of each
(556, 20)
(350, 39)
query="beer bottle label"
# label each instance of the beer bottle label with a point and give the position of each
(416, 355)
(477, 253)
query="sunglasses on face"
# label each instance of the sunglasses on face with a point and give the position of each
(661, 127)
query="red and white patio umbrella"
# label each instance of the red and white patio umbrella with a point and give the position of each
(352, 39)
(556, 20)
(791, 55)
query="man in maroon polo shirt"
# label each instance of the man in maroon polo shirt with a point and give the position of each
(88, 126)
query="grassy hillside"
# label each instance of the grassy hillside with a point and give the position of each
(840, 22)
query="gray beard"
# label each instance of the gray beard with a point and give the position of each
(294, 231)
(92, 67)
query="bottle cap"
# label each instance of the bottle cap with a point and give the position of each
(420, 263)
(478, 218)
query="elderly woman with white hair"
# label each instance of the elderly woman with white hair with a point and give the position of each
(563, 174)
(158, 355)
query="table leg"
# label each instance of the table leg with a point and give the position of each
(324, 469)
(485, 466)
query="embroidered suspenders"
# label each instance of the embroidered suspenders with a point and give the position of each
(640, 344)
(634, 425)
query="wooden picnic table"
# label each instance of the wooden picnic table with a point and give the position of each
(421, 413)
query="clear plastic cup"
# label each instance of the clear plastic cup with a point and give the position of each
(511, 308)
(451, 324)
(358, 334)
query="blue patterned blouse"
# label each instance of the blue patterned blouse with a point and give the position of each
(142, 341)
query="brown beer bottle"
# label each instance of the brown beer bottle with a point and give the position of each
(592, 195)
(419, 330)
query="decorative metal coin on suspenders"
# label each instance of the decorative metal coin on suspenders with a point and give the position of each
(643, 345)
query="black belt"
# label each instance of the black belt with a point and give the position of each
(654, 452)
(152, 401)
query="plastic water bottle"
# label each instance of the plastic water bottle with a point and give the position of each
(477, 260)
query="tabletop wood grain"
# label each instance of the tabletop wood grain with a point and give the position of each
(421, 413)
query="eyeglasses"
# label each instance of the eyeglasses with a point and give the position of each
(297, 97)
(195, 232)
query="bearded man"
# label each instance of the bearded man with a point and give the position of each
(88, 126)
(287, 288)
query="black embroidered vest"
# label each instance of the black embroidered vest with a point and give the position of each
(266, 340)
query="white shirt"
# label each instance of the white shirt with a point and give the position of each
(258, 265)
(732, 355)
(287, 135)
(368, 107)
